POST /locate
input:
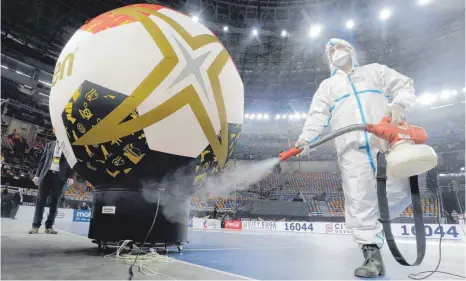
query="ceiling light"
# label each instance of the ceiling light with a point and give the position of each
(255, 32)
(45, 83)
(315, 30)
(253, 116)
(445, 94)
(195, 19)
(350, 24)
(385, 14)
(266, 116)
(225, 28)
(284, 33)
(246, 116)
(427, 99)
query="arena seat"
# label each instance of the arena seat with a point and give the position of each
(336, 206)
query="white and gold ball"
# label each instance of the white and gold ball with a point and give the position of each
(144, 88)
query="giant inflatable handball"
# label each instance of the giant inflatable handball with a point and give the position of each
(142, 90)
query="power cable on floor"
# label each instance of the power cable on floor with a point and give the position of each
(429, 273)
(148, 263)
(130, 270)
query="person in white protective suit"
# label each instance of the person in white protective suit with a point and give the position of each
(357, 94)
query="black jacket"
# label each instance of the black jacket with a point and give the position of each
(16, 198)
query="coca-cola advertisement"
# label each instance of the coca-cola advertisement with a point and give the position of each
(233, 224)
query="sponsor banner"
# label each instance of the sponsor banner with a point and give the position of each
(295, 226)
(260, 225)
(199, 223)
(82, 215)
(433, 231)
(233, 224)
(27, 213)
(332, 228)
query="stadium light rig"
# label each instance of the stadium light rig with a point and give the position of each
(385, 14)
(349, 24)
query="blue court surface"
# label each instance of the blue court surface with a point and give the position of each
(291, 256)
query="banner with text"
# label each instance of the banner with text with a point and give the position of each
(433, 231)
(233, 224)
(199, 223)
(260, 225)
(27, 213)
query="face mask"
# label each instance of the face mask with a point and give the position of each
(340, 58)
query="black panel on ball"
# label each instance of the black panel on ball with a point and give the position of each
(128, 175)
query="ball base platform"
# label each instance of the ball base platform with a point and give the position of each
(126, 214)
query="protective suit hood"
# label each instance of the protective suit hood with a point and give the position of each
(335, 41)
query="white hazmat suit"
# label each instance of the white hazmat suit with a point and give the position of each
(360, 97)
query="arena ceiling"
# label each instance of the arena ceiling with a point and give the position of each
(279, 72)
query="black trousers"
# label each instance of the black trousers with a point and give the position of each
(14, 210)
(50, 184)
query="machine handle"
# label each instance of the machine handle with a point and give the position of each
(289, 153)
(388, 120)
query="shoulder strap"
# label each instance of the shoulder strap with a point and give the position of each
(384, 213)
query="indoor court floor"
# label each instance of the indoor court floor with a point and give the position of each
(219, 255)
